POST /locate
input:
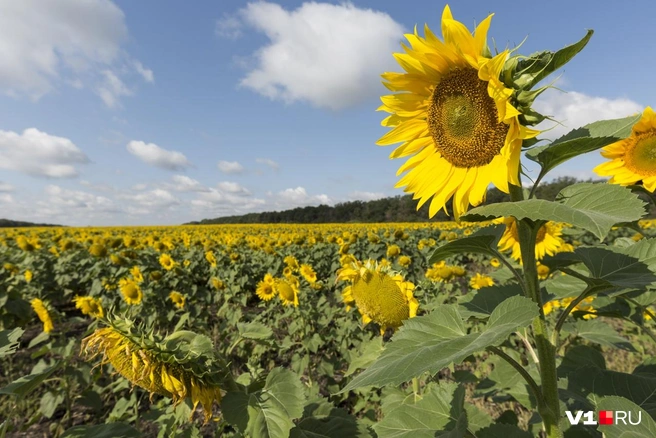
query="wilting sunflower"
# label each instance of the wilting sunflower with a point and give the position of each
(169, 368)
(634, 158)
(479, 281)
(454, 116)
(265, 290)
(178, 299)
(380, 294)
(287, 291)
(130, 290)
(89, 306)
(42, 312)
(547, 242)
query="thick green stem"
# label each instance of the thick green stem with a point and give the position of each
(550, 410)
(535, 388)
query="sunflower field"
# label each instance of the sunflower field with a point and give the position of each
(518, 319)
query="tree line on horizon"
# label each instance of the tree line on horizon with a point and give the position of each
(393, 209)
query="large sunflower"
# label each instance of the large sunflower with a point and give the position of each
(454, 115)
(634, 158)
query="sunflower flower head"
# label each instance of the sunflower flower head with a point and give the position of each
(479, 281)
(130, 290)
(265, 290)
(308, 273)
(166, 261)
(453, 117)
(178, 299)
(380, 294)
(633, 159)
(42, 312)
(89, 306)
(547, 242)
(287, 291)
(182, 365)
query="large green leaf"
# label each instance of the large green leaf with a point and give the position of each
(598, 332)
(267, 413)
(322, 420)
(482, 304)
(484, 241)
(254, 330)
(110, 430)
(24, 385)
(9, 341)
(646, 428)
(503, 430)
(365, 355)
(580, 141)
(429, 343)
(593, 207)
(436, 414)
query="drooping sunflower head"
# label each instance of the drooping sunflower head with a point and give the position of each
(548, 240)
(633, 159)
(178, 299)
(380, 294)
(42, 312)
(453, 116)
(170, 367)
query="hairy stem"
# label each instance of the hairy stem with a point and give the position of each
(535, 388)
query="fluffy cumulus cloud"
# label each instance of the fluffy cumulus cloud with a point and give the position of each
(40, 154)
(298, 197)
(230, 167)
(182, 183)
(156, 156)
(328, 55)
(227, 198)
(365, 196)
(46, 44)
(574, 109)
(268, 162)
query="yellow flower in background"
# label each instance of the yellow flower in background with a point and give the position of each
(543, 271)
(130, 290)
(440, 272)
(217, 283)
(380, 294)
(454, 117)
(291, 261)
(393, 251)
(98, 250)
(150, 367)
(547, 242)
(136, 274)
(166, 261)
(495, 263)
(633, 159)
(28, 275)
(265, 290)
(42, 312)
(211, 259)
(89, 306)
(479, 281)
(308, 273)
(405, 261)
(178, 299)
(268, 278)
(287, 291)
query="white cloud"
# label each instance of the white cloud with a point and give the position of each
(230, 167)
(61, 200)
(365, 196)
(228, 27)
(268, 162)
(42, 42)
(575, 109)
(328, 55)
(234, 188)
(111, 89)
(298, 197)
(39, 154)
(183, 183)
(152, 199)
(4, 187)
(145, 73)
(6, 198)
(154, 155)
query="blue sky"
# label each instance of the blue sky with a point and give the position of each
(148, 112)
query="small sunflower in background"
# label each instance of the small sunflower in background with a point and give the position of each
(265, 290)
(308, 273)
(41, 310)
(453, 117)
(380, 294)
(547, 242)
(287, 290)
(89, 306)
(166, 261)
(633, 159)
(130, 290)
(178, 299)
(480, 281)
